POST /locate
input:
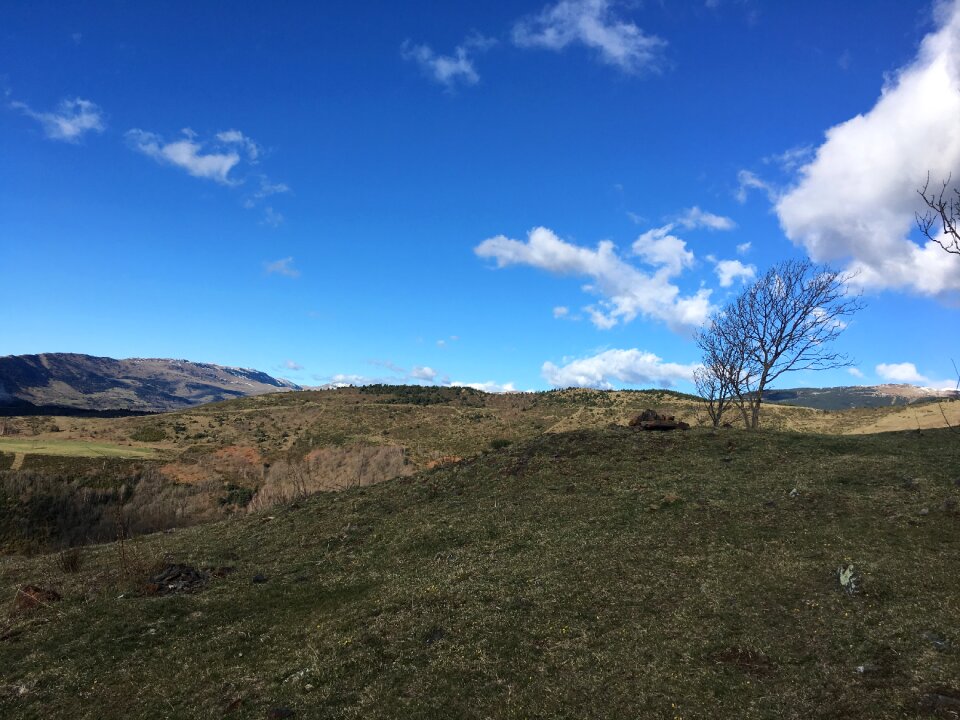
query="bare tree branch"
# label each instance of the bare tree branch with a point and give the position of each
(784, 322)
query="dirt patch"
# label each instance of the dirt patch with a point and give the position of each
(747, 660)
(444, 461)
(186, 474)
(30, 597)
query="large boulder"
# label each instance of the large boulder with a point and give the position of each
(652, 420)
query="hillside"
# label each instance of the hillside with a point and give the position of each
(596, 573)
(73, 382)
(857, 396)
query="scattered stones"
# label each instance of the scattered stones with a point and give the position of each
(175, 578)
(652, 420)
(30, 597)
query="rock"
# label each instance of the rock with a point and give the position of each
(794, 493)
(30, 597)
(938, 641)
(944, 701)
(652, 420)
(259, 579)
(849, 579)
(175, 578)
(924, 511)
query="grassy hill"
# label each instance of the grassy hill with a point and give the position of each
(599, 573)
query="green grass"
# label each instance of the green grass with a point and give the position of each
(73, 448)
(592, 574)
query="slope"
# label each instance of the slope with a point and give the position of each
(596, 573)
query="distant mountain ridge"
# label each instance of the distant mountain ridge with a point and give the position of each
(87, 383)
(857, 396)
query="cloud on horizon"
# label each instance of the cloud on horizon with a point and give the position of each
(69, 122)
(625, 367)
(855, 200)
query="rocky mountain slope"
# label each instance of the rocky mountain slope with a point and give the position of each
(86, 383)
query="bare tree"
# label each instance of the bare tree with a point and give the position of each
(785, 321)
(944, 211)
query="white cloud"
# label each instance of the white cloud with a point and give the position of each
(423, 373)
(69, 122)
(448, 70)
(627, 367)
(792, 159)
(626, 290)
(187, 154)
(856, 199)
(696, 218)
(561, 311)
(594, 24)
(900, 373)
(856, 372)
(748, 181)
(489, 387)
(292, 365)
(659, 248)
(729, 271)
(284, 267)
(743, 248)
(235, 137)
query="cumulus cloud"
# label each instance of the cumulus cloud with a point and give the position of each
(626, 291)
(855, 201)
(448, 70)
(856, 372)
(625, 367)
(900, 373)
(188, 154)
(69, 122)
(284, 267)
(596, 25)
(728, 271)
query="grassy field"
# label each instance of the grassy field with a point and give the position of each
(72, 448)
(597, 573)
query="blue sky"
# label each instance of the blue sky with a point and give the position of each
(521, 195)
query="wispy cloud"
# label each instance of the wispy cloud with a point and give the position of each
(448, 70)
(238, 139)
(283, 267)
(188, 153)
(272, 218)
(748, 180)
(694, 217)
(611, 367)
(854, 201)
(292, 365)
(69, 122)
(626, 291)
(594, 24)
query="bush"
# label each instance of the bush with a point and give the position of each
(149, 433)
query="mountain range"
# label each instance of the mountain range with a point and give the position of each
(72, 383)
